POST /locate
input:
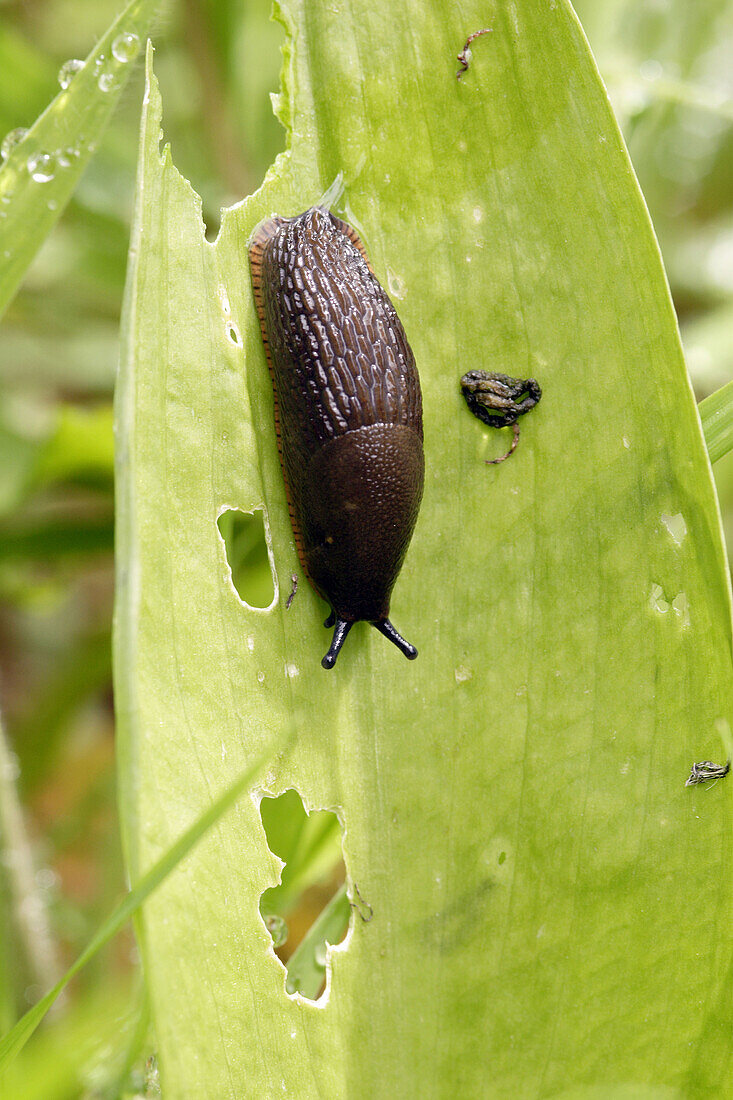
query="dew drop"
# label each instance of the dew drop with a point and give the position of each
(478, 214)
(11, 139)
(291, 671)
(319, 955)
(65, 156)
(68, 71)
(125, 47)
(105, 81)
(261, 677)
(42, 167)
(462, 674)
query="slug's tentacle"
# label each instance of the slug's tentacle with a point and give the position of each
(339, 637)
(385, 627)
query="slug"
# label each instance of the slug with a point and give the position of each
(348, 414)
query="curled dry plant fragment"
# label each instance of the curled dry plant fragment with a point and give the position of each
(499, 401)
(464, 57)
(705, 771)
(348, 414)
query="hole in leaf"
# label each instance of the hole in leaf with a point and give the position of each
(246, 549)
(309, 909)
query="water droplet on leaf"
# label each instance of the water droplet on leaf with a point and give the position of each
(125, 47)
(65, 156)
(11, 139)
(42, 167)
(68, 71)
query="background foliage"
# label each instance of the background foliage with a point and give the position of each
(669, 79)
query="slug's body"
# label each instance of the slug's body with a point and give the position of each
(348, 414)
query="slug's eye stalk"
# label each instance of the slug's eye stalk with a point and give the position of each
(342, 628)
(385, 627)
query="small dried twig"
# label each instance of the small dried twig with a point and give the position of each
(464, 57)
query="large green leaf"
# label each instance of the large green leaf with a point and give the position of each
(549, 904)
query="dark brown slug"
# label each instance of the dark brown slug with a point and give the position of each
(348, 414)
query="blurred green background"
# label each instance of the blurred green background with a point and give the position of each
(668, 66)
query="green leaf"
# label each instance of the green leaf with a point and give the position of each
(550, 903)
(307, 965)
(40, 174)
(15, 1039)
(716, 414)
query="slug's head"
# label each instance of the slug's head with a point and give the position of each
(342, 628)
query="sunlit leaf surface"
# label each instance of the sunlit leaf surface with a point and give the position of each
(550, 905)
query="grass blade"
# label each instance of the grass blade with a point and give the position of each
(18, 1036)
(716, 414)
(41, 172)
